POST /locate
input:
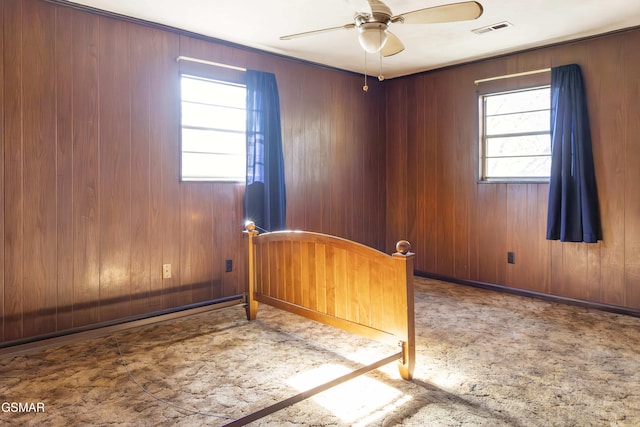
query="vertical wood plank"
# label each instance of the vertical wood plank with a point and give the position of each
(307, 276)
(396, 164)
(542, 268)
(427, 254)
(445, 180)
(390, 316)
(86, 169)
(486, 218)
(115, 170)
(196, 229)
(2, 171)
(297, 260)
(501, 241)
(234, 284)
(279, 282)
(474, 187)
(321, 278)
(631, 65)
(13, 172)
(271, 260)
(160, 76)
(169, 199)
(341, 287)
(376, 295)
(330, 289)
(364, 292)
(465, 155)
(413, 169)
(608, 123)
(287, 271)
(352, 287)
(338, 179)
(373, 176)
(515, 223)
(39, 171)
(64, 166)
(142, 52)
(575, 270)
(226, 224)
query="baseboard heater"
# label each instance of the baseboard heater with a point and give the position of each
(533, 294)
(40, 342)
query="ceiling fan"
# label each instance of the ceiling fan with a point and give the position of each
(373, 18)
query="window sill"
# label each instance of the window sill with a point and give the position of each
(514, 181)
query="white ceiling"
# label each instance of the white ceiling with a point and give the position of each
(260, 23)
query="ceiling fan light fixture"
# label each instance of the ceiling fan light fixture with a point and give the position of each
(373, 36)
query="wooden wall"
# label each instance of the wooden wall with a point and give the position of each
(91, 204)
(463, 229)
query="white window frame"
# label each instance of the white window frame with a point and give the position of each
(484, 138)
(210, 156)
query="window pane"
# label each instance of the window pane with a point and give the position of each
(516, 135)
(518, 123)
(518, 145)
(209, 141)
(526, 100)
(518, 167)
(210, 116)
(199, 166)
(213, 130)
(212, 92)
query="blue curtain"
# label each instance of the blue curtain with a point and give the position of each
(573, 200)
(265, 195)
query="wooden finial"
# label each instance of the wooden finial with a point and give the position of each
(403, 247)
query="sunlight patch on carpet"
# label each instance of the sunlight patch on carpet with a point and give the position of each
(359, 401)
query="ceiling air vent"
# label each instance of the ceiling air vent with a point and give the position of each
(494, 27)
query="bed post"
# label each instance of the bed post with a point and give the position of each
(404, 260)
(252, 304)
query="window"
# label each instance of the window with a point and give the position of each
(515, 143)
(213, 130)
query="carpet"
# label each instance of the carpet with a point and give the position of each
(483, 359)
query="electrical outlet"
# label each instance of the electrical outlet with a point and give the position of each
(228, 265)
(166, 271)
(511, 258)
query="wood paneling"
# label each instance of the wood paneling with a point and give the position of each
(631, 63)
(64, 169)
(140, 60)
(477, 223)
(13, 170)
(115, 169)
(92, 204)
(2, 168)
(39, 191)
(86, 189)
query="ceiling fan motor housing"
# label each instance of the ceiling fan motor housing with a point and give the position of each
(373, 27)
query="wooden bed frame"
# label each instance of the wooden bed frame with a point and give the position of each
(337, 282)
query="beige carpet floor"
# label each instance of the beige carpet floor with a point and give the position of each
(484, 359)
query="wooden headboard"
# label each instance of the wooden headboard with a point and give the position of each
(337, 282)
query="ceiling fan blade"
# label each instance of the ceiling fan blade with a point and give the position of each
(360, 6)
(392, 46)
(446, 13)
(314, 32)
